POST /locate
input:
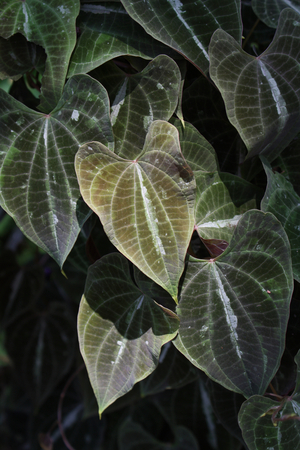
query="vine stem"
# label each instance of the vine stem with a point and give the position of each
(60, 404)
(250, 33)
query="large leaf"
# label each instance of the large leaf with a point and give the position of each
(272, 423)
(281, 200)
(234, 309)
(262, 94)
(288, 163)
(145, 204)
(269, 10)
(187, 26)
(38, 185)
(106, 32)
(32, 19)
(121, 329)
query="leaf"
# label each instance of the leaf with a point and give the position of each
(289, 164)
(281, 199)
(108, 34)
(121, 329)
(38, 185)
(145, 204)
(269, 10)
(187, 26)
(32, 20)
(137, 100)
(268, 423)
(41, 345)
(246, 83)
(234, 309)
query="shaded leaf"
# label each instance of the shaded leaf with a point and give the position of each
(288, 164)
(121, 329)
(32, 20)
(281, 199)
(269, 10)
(268, 423)
(187, 26)
(145, 204)
(234, 309)
(38, 185)
(246, 83)
(108, 34)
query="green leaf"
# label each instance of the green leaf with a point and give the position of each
(32, 19)
(281, 199)
(268, 423)
(262, 94)
(234, 309)
(38, 185)
(269, 10)
(121, 329)
(187, 26)
(289, 164)
(107, 34)
(137, 100)
(145, 204)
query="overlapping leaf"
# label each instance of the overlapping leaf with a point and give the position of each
(121, 329)
(32, 19)
(106, 32)
(187, 26)
(262, 95)
(234, 309)
(281, 200)
(272, 423)
(38, 185)
(145, 204)
(269, 10)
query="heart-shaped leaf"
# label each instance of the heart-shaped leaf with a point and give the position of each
(187, 26)
(32, 19)
(268, 423)
(269, 10)
(234, 309)
(121, 329)
(38, 185)
(106, 32)
(145, 204)
(281, 200)
(262, 94)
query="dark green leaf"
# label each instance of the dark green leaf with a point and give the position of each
(234, 309)
(38, 185)
(247, 83)
(269, 10)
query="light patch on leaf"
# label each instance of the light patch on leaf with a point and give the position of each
(221, 223)
(75, 115)
(26, 26)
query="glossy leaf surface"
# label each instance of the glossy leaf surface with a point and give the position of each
(268, 423)
(269, 10)
(262, 94)
(234, 309)
(187, 26)
(145, 204)
(32, 19)
(121, 329)
(38, 185)
(281, 199)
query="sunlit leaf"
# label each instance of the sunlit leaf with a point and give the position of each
(262, 94)
(234, 309)
(121, 329)
(187, 26)
(269, 10)
(145, 204)
(32, 19)
(38, 185)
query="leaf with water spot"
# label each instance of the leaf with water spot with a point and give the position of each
(38, 185)
(145, 204)
(234, 309)
(121, 329)
(262, 94)
(269, 10)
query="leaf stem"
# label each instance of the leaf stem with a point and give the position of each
(250, 33)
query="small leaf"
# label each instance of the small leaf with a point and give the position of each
(246, 83)
(121, 329)
(145, 204)
(269, 10)
(281, 200)
(187, 26)
(234, 309)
